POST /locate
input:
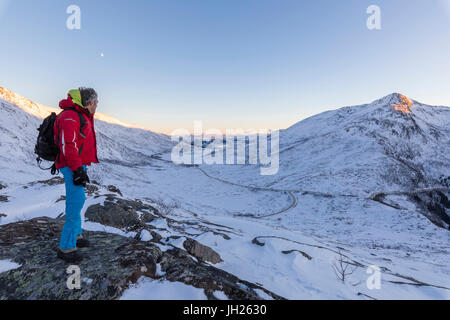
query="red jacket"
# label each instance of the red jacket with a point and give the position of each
(75, 150)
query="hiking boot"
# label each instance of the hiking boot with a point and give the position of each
(83, 243)
(71, 257)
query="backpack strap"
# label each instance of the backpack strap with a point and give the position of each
(53, 167)
(82, 120)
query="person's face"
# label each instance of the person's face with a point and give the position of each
(92, 106)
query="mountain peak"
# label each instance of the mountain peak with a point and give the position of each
(398, 102)
(403, 104)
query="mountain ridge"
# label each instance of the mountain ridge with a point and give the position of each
(20, 119)
(43, 111)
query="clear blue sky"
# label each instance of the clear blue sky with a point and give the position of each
(231, 63)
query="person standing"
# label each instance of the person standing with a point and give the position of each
(75, 137)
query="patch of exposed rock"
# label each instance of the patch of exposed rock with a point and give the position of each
(435, 205)
(121, 213)
(51, 182)
(110, 265)
(134, 215)
(114, 189)
(200, 251)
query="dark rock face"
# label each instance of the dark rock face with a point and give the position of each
(109, 266)
(33, 244)
(51, 182)
(62, 198)
(114, 189)
(435, 205)
(445, 181)
(200, 251)
(91, 189)
(121, 213)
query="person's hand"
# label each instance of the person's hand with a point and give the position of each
(80, 177)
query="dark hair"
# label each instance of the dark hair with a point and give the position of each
(87, 95)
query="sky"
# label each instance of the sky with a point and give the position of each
(249, 64)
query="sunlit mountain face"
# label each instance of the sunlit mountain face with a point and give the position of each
(43, 111)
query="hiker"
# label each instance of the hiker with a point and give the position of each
(75, 137)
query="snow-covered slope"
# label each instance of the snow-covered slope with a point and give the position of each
(368, 148)
(361, 150)
(118, 142)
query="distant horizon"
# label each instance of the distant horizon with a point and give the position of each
(232, 64)
(246, 131)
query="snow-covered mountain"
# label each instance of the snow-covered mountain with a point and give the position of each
(118, 142)
(370, 182)
(394, 144)
(390, 144)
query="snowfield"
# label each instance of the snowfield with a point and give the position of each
(286, 231)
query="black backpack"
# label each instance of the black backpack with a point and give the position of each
(46, 148)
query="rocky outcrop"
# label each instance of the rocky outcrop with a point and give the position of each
(121, 213)
(200, 251)
(114, 189)
(135, 215)
(51, 182)
(110, 265)
(435, 205)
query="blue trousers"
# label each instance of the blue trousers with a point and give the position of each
(75, 198)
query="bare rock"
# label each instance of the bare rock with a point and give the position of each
(114, 189)
(201, 252)
(53, 181)
(435, 205)
(121, 213)
(110, 264)
(91, 189)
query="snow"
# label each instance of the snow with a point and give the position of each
(220, 295)
(149, 289)
(159, 272)
(6, 265)
(146, 236)
(318, 203)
